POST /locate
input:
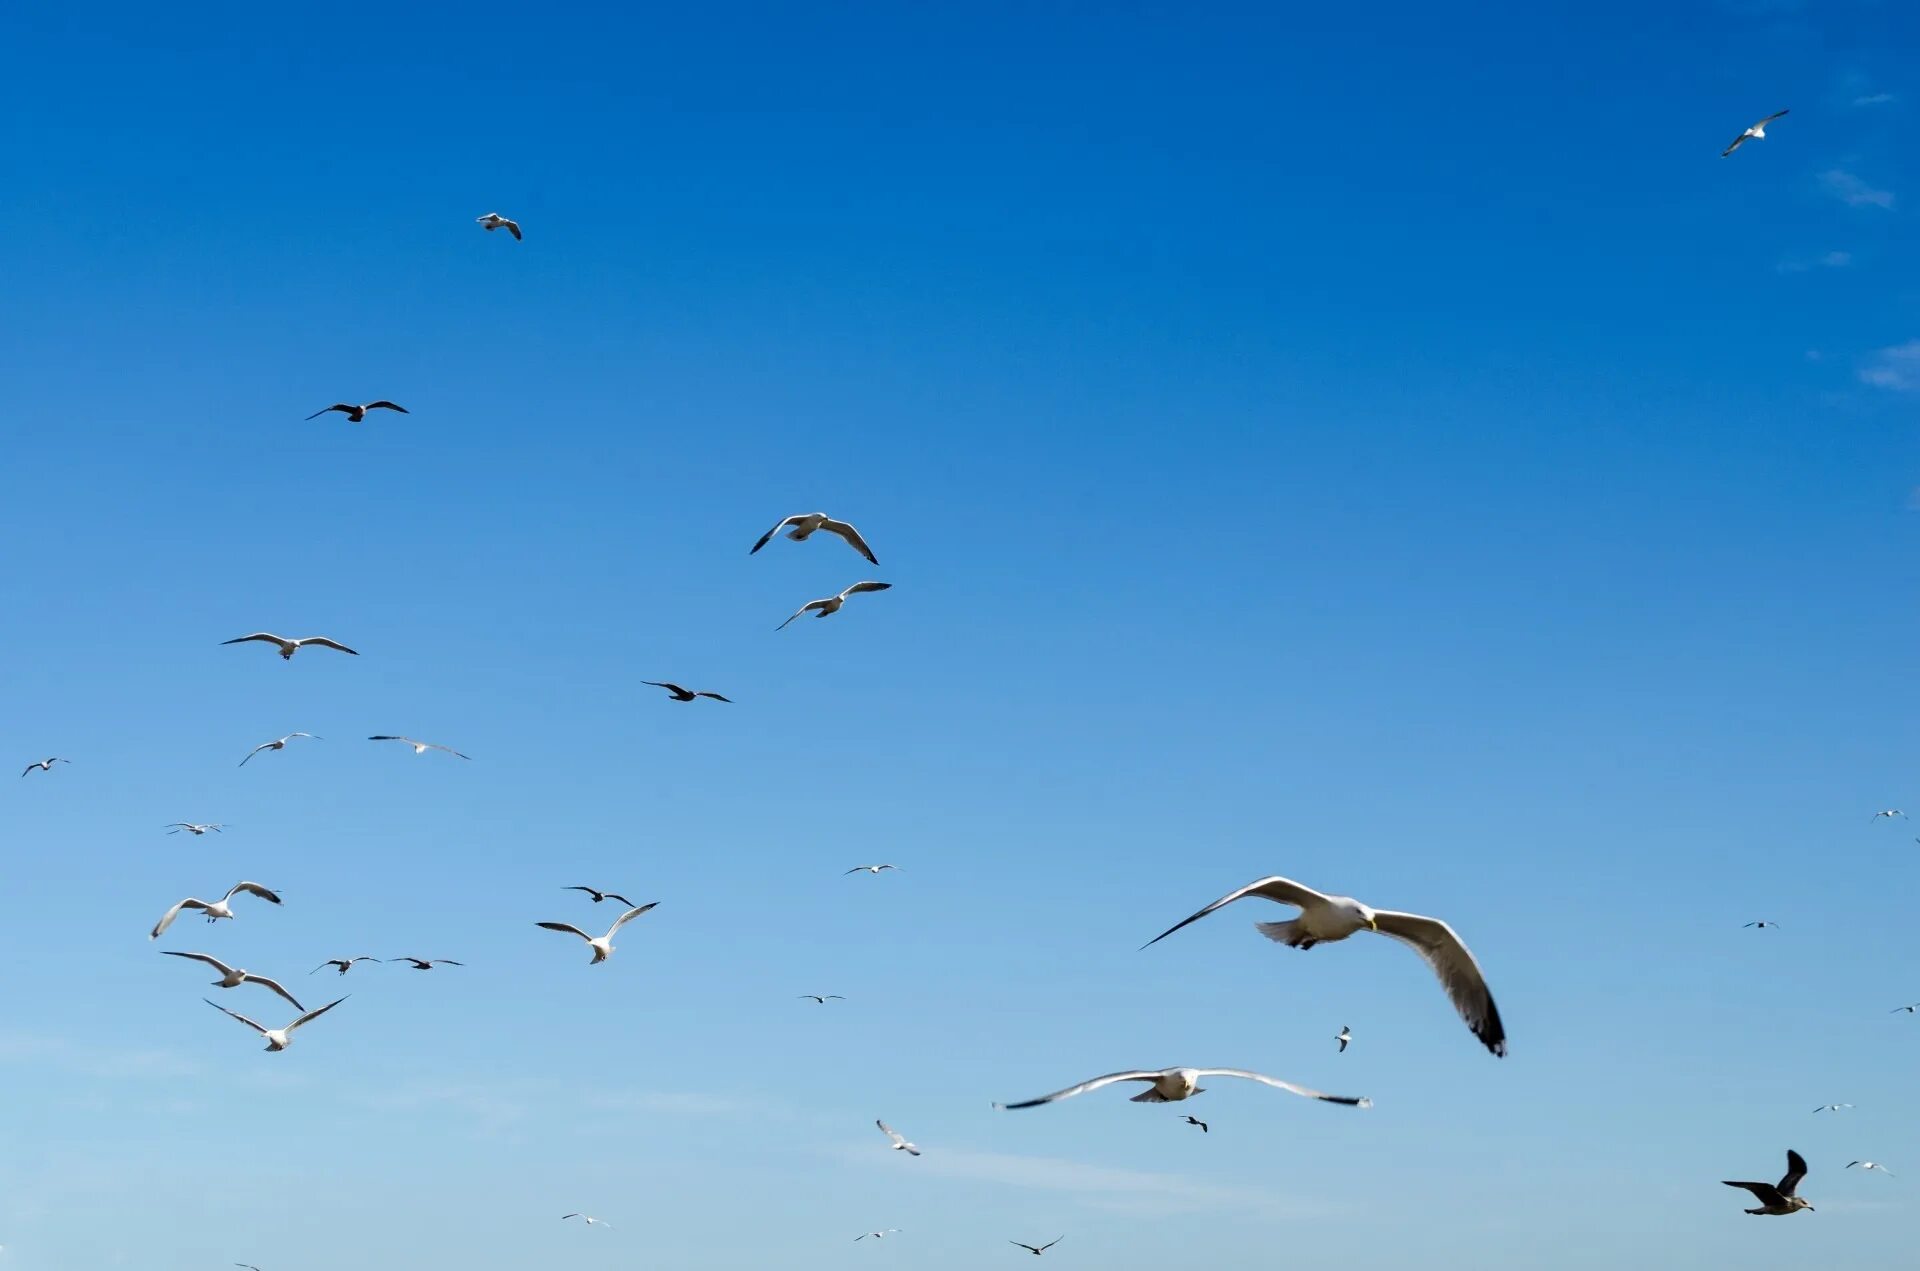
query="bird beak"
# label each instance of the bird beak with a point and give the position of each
(1373, 924)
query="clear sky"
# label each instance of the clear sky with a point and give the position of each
(1381, 444)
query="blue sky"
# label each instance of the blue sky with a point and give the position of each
(1387, 448)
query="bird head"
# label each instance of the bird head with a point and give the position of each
(1370, 918)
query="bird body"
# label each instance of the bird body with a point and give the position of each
(1870, 1165)
(493, 221)
(355, 414)
(1778, 1199)
(1758, 132)
(1175, 1085)
(807, 523)
(831, 604)
(214, 910)
(1889, 814)
(278, 1039)
(602, 946)
(233, 977)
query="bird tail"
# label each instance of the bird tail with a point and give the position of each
(1282, 932)
(1149, 1095)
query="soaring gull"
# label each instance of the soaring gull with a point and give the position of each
(493, 221)
(278, 1038)
(1037, 1250)
(1344, 1036)
(589, 1219)
(877, 1235)
(427, 964)
(355, 414)
(214, 910)
(1171, 1085)
(898, 1139)
(195, 828)
(1763, 924)
(419, 747)
(822, 998)
(599, 896)
(289, 647)
(871, 869)
(234, 977)
(602, 946)
(1756, 133)
(1832, 1107)
(680, 694)
(831, 605)
(1193, 1120)
(1889, 814)
(276, 745)
(342, 965)
(44, 765)
(1871, 1165)
(806, 523)
(1778, 1200)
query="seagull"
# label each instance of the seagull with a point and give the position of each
(589, 1219)
(1345, 1035)
(1908, 1009)
(1329, 918)
(831, 604)
(899, 1140)
(823, 999)
(342, 965)
(1193, 1120)
(1871, 1165)
(427, 964)
(1171, 1085)
(1832, 1107)
(420, 747)
(195, 828)
(215, 910)
(276, 745)
(684, 694)
(1756, 133)
(1037, 1251)
(599, 896)
(248, 1265)
(1763, 924)
(602, 946)
(494, 221)
(278, 1038)
(1778, 1201)
(871, 869)
(45, 765)
(234, 977)
(807, 522)
(355, 414)
(877, 1235)
(1890, 813)
(290, 647)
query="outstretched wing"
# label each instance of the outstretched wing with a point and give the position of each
(1273, 887)
(1287, 1086)
(1738, 141)
(1765, 1193)
(315, 1013)
(768, 536)
(267, 636)
(342, 407)
(811, 604)
(1796, 1170)
(629, 916)
(207, 958)
(243, 1019)
(388, 406)
(328, 643)
(716, 697)
(252, 889)
(565, 926)
(852, 536)
(857, 588)
(166, 919)
(1459, 973)
(1083, 1087)
(276, 986)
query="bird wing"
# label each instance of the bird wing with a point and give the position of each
(446, 962)
(276, 986)
(1738, 141)
(1459, 973)
(716, 697)
(252, 889)
(334, 962)
(207, 958)
(890, 1132)
(326, 642)
(1796, 1170)
(315, 1013)
(629, 916)
(1287, 1086)
(166, 919)
(1029, 1248)
(768, 536)
(243, 1019)
(811, 604)
(383, 405)
(1765, 1193)
(852, 536)
(857, 588)
(1770, 118)
(1273, 887)
(1083, 1087)
(513, 228)
(339, 406)
(856, 869)
(268, 636)
(265, 745)
(1051, 1243)
(558, 926)
(614, 895)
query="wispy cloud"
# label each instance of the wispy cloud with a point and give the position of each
(1873, 99)
(1895, 368)
(1826, 260)
(1853, 191)
(31, 1049)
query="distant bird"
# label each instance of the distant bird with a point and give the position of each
(1756, 133)
(877, 1235)
(45, 765)
(1762, 924)
(684, 694)
(602, 946)
(831, 605)
(1779, 1200)
(1908, 1009)
(427, 964)
(342, 965)
(1037, 1250)
(1329, 918)
(420, 747)
(1890, 813)
(1171, 1085)
(806, 523)
(234, 977)
(1832, 1107)
(493, 221)
(589, 1219)
(214, 910)
(278, 1038)
(248, 1265)
(1871, 1165)
(290, 647)
(1344, 1036)
(276, 745)
(355, 414)
(871, 869)
(1192, 1120)
(899, 1140)
(822, 998)
(599, 896)
(195, 828)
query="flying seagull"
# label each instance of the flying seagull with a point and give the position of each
(355, 414)
(1756, 133)
(195, 828)
(214, 910)
(290, 647)
(278, 1038)
(1193, 1120)
(822, 998)
(427, 964)
(1778, 1201)
(1871, 1165)
(494, 221)
(1344, 1036)
(589, 1219)
(899, 1140)
(1832, 1107)
(684, 694)
(234, 977)
(45, 765)
(420, 747)
(276, 745)
(602, 946)
(1908, 1009)
(1763, 924)
(342, 965)
(1037, 1250)
(831, 604)
(1329, 918)
(599, 896)
(248, 1265)
(806, 523)
(1171, 1085)
(1890, 813)
(871, 869)
(877, 1235)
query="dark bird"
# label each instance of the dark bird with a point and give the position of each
(355, 414)
(1763, 925)
(1778, 1201)
(1190, 1120)
(343, 965)
(599, 896)
(427, 964)
(684, 694)
(1037, 1250)
(822, 998)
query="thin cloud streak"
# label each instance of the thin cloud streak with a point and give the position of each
(1853, 191)
(1896, 368)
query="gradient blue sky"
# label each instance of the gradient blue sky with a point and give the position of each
(1385, 447)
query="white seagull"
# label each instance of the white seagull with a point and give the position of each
(355, 414)
(898, 1139)
(45, 765)
(234, 977)
(680, 694)
(1037, 1250)
(278, 1038)
(1871, 1165)
(1763, 924)
(276, 745)
(1908, 1009)
(831, 605)
(806, 523)
(822, 998)
(493, 221)
(195, 828)
(871, 869)
(1832, 1107)
(588, 1219)
(1171, 1085)
(290, 647)
(214, 910)
(1344, 1036)
(1756, 133)
(602, 946)
(1778, 1200)
(420, 747)
(1890, 813)
(342, 965)
(1329, 918)
(877, 1235)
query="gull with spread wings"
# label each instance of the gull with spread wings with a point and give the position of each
(806, 523)
(278, 1038)
(419, 747)
(233, 977)
(680, 694)
(214, 910)
(289, 647)
(355, 414)
(1037, 1250)
(1756, 133)
(281, 744)
(898, 1139)
(602, 946)
(1171, 1085)
(1778, 1200)
(831, 604)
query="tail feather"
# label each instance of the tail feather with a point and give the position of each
(1149, 1095)
(1281, 932)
